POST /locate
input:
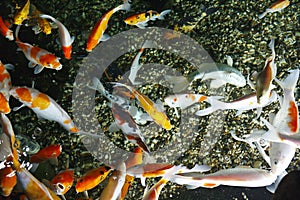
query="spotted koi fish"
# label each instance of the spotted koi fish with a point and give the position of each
(97, 33)
(92, 178)
(65, 39)
(63, 181)
(277, 6)
(39, 58)
(44, 106)
(141, 20)
(5, 31)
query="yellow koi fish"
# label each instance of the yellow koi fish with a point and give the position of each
(22, 14)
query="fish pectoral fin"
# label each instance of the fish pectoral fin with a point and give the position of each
(53, 161)
(159, 105)
(104, 37)
(217, 83)
(191, 187)
(142, 25)
(72, 39)
(31, 64)
(113, 127)
(9, 66)
(38, 69)
(143, 181)
(18, 108)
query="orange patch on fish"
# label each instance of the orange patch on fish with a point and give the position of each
(67, 121)
(154, 170)
(4, 106)
(41, 101)
(293, 114)
(52, 151)
(202, 98)
(209, 184)
(8, 180)
(191, 96)
(74, 130)
(34, 52)
(24, 94)
(3, 76)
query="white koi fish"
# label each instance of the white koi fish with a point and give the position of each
(219, 74)
(44, 106)
(65, 39)
(39, 58)
(277, 6)
(185, 100)
(141, 19)
(244, 103)
(239, 176)
(115, 183)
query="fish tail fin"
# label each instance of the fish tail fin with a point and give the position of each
(163, 13)
(17, 33)
(47, 17)
(179, 83)
(215, 104)
(272, 47)
(97, 85)
(125, 6)
(262, 15)
(290, 82)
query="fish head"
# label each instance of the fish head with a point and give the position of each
(130, 20)
(172, 101)
(63, 181)
(281, 156)
(50, 61)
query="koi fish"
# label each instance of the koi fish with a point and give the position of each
(140, 20)
(126, 123)
(115, 184)
(42, 24)
(50, 152)
(239, 176)
(44, 106)
(92, 178)
(185, 100)
(5, 31)
(97, 33)
(63, 181)
(8, 179)
(264, 79)
(218, 73)
(38, 57)
(155, 190)
(65, 39)
(244, 103)
(156, 113)
(277, 6)
(22, 14)
(136, 159)
(152, 170)
(5, 86)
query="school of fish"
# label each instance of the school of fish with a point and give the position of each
(17, 176)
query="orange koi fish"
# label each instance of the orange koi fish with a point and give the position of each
(38, 57)
(5, 86)
(8, 179)
(44, 106)
(126, 123)
(42, 24)
(22, 14)
(239, 176)
(152, 170)
(277, 6)
(97, 33)
(65, 39)
(5, 31)
(154, 111)
(115, 184)
(63, 181)
(48, 153)
(136, 159)
(155, 190)
(140, 20)
(92, 178)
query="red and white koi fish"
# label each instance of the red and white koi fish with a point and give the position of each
(136, 159)
(92, 178)
(277, 6)
(44, 106)
(115, 183)
(39, 58)
(50, 152)
(154, 111)
(5, 31)
(185, 100)
(5, 86)
(65, 39)
(244, 103)
(264, 78)
(126, 123)
(239, 176)
(97, 33)
(63, 181)
(152, 170)
(140, 20)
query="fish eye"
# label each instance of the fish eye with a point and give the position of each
(275, 162)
